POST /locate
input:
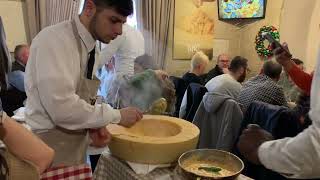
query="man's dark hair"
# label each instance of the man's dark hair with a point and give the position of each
(272, 69)
(123, 7)
(297, 61)
(17, 50)
(146, 62)
(237, 63)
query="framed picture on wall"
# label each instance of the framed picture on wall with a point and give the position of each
(193, 28)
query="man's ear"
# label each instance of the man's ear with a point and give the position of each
(89, 8)
(241, 71)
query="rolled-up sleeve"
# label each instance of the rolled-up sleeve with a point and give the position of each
(56, 84)
(297, 157)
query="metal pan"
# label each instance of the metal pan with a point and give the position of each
(217, 158)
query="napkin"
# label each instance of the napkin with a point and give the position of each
(145, 168)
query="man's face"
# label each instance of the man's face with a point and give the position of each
(106, 24)
(223, 61)
(24, 55)
(138, 68)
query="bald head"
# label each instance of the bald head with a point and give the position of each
(21, 53)
(272, 69)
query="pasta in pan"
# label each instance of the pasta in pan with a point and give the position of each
(208, 170)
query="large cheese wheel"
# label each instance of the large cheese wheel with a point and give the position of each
(153, 140)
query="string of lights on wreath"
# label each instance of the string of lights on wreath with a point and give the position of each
(263, 51)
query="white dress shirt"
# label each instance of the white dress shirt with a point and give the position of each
(52, 77)
(298, 157)
(126, 48)
(107, 78)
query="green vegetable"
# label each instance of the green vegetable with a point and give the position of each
(211, 169)
(159, 106)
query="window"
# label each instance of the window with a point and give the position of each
(132, 20)
(81, 5)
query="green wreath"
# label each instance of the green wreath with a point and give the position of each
(266, 52)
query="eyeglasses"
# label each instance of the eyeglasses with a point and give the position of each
(224, 61)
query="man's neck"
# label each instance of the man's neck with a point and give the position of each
(86, 22)
(233, 75)
(195, 72)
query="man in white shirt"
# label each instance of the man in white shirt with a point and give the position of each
(106, 74)
(125, 49)
(293, 157)
(61, 84)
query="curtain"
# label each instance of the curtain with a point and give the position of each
(43, 13)
(36, 10)
(5, 62)
(61, 10)
(153, 18)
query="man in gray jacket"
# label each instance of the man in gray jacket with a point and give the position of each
(219, 118)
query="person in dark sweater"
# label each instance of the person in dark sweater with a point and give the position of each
(222, 66)
(199, 62)
(15, 95)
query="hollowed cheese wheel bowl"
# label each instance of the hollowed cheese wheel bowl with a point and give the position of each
(153, 140)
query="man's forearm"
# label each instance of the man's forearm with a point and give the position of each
(296, 157)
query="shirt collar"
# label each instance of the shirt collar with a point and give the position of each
(20, 63)
(85, 35)
(264, 77)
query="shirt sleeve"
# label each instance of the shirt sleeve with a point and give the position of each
(183, 107)
(297, 157)
(281, 97)
(302, 79)
(56, 85)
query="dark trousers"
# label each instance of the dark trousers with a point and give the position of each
(12, 99)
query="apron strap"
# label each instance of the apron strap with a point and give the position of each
(78, 39)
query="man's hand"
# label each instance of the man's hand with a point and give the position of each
(225, 70)
(100, 137)
(129, 116)
(250, 140)
(283, 55)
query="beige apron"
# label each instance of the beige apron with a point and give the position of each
(71, 146)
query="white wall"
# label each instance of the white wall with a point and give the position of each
(298, 28)
(12, 14)
(313, 41)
